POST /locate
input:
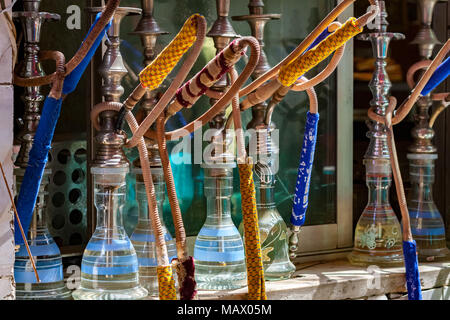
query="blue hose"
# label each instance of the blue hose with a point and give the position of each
(440, 74)
(304, 170)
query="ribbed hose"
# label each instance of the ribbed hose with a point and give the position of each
(171, 191)
(165, 278)
(184, 265)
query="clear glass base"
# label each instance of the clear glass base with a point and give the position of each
(225, 281)
(364, 260)
(42, 291)
(279, 271)
(136, 293)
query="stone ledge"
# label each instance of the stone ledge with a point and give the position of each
(338, 280)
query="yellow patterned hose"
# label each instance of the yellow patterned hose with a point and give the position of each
(253, 255)
(155, 73)
(292, 71)
(166, 283)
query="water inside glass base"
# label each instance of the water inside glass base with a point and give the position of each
(42, 291)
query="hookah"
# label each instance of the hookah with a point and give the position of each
(273, 229)
(44, 251)
(378, 234)
(37, 157)
(36, 139)
(219, 250)
(143, 237)
(109, 268)
(427, 226)
(434, 74)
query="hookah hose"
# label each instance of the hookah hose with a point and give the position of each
(409, 245)
(238, 46)
(26, 199)
(444, 98)
(253, 253)
(332, 39)
(306, 43)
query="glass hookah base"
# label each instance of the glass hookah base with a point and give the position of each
(42, 291)
(216, 276)
(119, 287)
(148, 279)
(137, 293)
(430, 251)
(275, 271)
(364, 259)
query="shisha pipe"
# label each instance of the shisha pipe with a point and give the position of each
(71, 73)
(429, 81)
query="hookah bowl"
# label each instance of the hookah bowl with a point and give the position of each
(43, 248)
(219, 250)
(45, 252)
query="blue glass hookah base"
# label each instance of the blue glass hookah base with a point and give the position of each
(48, 264)
(108, 260)
(429, 231)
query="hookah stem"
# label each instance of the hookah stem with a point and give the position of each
(219, 214)
(20, 225)
(106, 16)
